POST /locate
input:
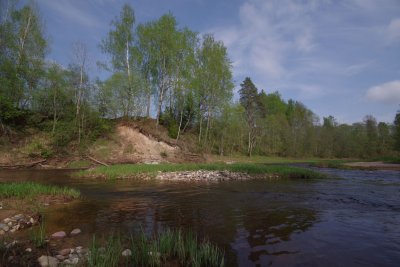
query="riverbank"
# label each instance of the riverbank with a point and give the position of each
(205, 172)
(377, 165)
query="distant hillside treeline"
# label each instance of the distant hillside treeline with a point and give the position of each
(184, 77)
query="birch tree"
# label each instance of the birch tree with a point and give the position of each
(119, 44)
(159, 41)
(213, 85)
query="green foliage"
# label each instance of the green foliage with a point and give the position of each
(63, 134)
(29, 190)
(170, 123)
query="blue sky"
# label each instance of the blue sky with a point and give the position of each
(339, 58)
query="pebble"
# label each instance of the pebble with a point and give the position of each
(60, 234)
(65, 252)
(75, 231)
(15, 223)
(126, 253)
(2, 232)
(11, 244)
(28, 250)
(60, 257)
(4, 227)
(19, 217)
(47, 261)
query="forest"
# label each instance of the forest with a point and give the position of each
(172, 74)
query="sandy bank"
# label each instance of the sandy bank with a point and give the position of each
(374, 165)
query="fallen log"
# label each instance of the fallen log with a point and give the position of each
(25, 165)
(97, 161)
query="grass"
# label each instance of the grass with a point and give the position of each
(169, 248)
(38, 235)
(388, 159)
(261, 159)
(335, 164)
(109, 255)
(27, 190)
(133, 170)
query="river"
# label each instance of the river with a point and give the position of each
(351, 218)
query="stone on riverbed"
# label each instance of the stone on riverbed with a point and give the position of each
(75, 231)
(60, 257)
(47, 261)
(4, 227)
(127, 253)
(60, 234)
(65, 252)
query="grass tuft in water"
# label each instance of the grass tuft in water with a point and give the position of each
(26, 190)
(169, 248)
(38, 235)
(133, 170)
(106, 256)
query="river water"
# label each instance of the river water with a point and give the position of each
(351, 218)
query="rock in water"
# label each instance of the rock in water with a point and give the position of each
(60, 234)
(126, 253)
(76, 231)
(4, 227)
(47, 261)
(65, 252)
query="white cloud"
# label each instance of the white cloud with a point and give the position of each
(267, 32)
(388, 92)
(72, 12)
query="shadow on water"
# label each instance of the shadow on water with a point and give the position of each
(349, 221)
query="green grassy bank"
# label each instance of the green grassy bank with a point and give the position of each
(27, 190)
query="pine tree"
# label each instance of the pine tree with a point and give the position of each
(250, 101)
(397, 131)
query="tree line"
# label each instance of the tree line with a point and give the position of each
(182, 79)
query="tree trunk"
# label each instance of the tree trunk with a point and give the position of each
(249, 145)
(200, 128)
(148, 106)
(180, 125)
(128, 70)
(159, 105)
(54, 113)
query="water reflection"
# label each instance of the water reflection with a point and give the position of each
(258, 240)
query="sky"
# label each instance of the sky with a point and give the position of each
(338, 57)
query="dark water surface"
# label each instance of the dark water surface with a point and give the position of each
(353, 220)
